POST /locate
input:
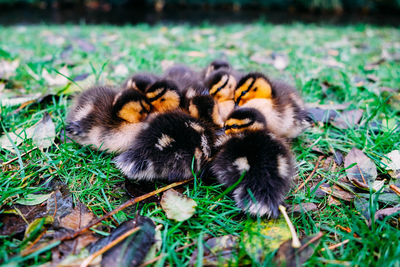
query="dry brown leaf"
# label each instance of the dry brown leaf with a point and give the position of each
(364, 171)
(348, 119)
(392, 163)
(337, 192)
(299, 209)
(44, 132)
(381, 214)
(177, 206)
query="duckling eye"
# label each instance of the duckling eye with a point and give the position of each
(235, 126)
(162, 99)
(255, 89)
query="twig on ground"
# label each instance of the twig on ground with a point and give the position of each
(309, 176)
(311, 241)
(295, 239)
(337, 245)
(115, 242)
(395, 189)
(16, 158)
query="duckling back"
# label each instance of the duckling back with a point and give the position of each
(166, 148)
(268, 168)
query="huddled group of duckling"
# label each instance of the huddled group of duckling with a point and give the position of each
(234, 125)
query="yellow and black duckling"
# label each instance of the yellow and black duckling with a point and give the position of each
(164, 95)
(140, 81)
(216, 65)
(166, 149)
(279, 102)
(221, 85)
(265, 160)
(106, 119)
(205, 108)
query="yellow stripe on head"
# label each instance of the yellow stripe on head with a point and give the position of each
(260, 88)
(131, 112)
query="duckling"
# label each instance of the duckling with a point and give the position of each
(265, 160)
(166, 149)
(189, 81)
(216, 65)
(221, 85)
(140, 81)
(205, 108)
(164, 96)
(279, 102)
(106, 119)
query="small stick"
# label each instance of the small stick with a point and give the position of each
(395, 189)
(312, 240)
(115, 242)
(16, 158)
(295, 239)
(337, 245)
(310, 176)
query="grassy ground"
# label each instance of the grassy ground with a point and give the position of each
(326, 63)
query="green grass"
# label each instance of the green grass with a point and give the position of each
(94, 180)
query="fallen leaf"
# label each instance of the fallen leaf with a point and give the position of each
(14, 101)
(12, 221)
(362, 206)
(392, 163)
(85, 46)
(33, 199)
(7, 141)
(293, 257)
(333, 201)
(337, 192)
(177, 206)
(155, 248)
(381, 214)
(59, 204)
(217, 251)
(280, 61)
(387, 198)
(44, 132)
(322, 115)
(265, 237)
(121, 70)
(8, 68)
(363, 171)
(79, 217)
(133, 249)
(348, 119)
(57, 79)
(36, 227)
(332, 106)
(302, 208)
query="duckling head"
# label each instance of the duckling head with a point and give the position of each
(222, 85)
(164, 96)
(244, 119)
(139, 82)
(131, 106)
(253, 85)
(216, 65)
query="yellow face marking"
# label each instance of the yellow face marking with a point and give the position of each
(154, 93)
(226, 93)
(132, 112)
(260, 89)
(193, 111)
(169, 101)
(235, 125)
